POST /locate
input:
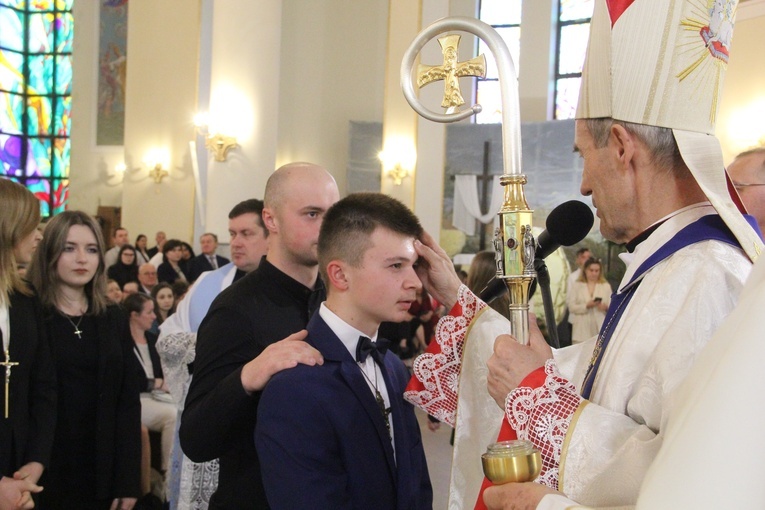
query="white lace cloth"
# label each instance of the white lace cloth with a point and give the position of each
(196, 482)
(542, 415)
(438, 372)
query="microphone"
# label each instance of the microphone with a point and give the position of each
(567, 224)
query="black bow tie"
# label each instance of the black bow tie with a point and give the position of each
(366, 346)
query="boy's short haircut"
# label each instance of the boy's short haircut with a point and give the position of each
(350, 222)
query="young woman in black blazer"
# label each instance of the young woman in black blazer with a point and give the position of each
(28, 418)
(96, 447)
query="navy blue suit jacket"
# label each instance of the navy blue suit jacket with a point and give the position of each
(322, 440)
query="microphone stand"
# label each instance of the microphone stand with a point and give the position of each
(543, 279)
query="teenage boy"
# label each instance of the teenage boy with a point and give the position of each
(340, 435)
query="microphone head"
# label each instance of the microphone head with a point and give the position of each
(570, 222)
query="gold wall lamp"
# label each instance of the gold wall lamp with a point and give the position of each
(157, 160)
(398, 159)
(218, 144)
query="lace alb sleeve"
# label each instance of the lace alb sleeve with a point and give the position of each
(542, 415)
(435, 379)
(176, 351)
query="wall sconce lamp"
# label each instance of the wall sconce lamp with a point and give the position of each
(157, 160)
(398, 160)
(398, 174)
(218, 144)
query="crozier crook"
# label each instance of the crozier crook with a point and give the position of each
(514, 244)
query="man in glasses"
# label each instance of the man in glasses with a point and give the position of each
(748, 175)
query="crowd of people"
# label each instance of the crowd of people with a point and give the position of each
(270, 382)
(137, 349)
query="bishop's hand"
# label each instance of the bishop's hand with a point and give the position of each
(436, 271)
(512, 362)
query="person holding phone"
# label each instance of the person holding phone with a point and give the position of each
(588, 301)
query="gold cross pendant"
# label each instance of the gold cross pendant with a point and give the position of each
(8, 364)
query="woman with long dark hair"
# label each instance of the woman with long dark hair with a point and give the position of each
(28, 416)
(158, 412)
(96, 446)
(141, 252)
(125, 269)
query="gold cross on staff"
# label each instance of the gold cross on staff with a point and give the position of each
(8, 364)
(451, 71)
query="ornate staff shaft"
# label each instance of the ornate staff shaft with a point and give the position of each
(514, 243)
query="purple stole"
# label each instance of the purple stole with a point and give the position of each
(710, 227)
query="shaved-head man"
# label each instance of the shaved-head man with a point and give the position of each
(748, 175)
(255, 329)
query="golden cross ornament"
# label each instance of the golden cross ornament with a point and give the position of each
(451, 71)
(8, 364)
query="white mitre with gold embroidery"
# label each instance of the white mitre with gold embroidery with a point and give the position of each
(662, 63)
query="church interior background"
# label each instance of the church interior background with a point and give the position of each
(98, 104)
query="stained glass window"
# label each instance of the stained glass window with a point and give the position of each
(573, 33)
(505, 17)
(35, 97)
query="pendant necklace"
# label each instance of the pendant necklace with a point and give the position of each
(378, 398)
(77, 330)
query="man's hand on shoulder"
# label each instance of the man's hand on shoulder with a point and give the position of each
(276, 357)
(512, 362)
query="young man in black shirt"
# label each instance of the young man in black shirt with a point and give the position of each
(254, 329)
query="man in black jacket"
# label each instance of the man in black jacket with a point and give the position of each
(254, 329)
(208, 260)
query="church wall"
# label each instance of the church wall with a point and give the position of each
(244, 91)
(93, 180)
(311, 68)
(332, 65)
(742, 108)
(163, 42)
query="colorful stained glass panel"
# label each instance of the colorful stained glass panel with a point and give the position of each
(61, 156)
(64, 27)
(39, 162)
(10, 154)
(11, 79)
(64, 75)
(35, 97)
(11, 110)
(62, 115)
(39, 115)
(41, 5)
(40, 33)
(11, 29)
(40, 74)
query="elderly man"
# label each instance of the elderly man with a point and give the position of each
(160, 239)
(119, 239)
(654, 170)
(255, 329)
(147, 278)
(748, 175)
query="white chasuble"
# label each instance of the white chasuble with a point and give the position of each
(602, 448)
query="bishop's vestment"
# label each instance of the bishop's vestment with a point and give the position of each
(595, 449)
